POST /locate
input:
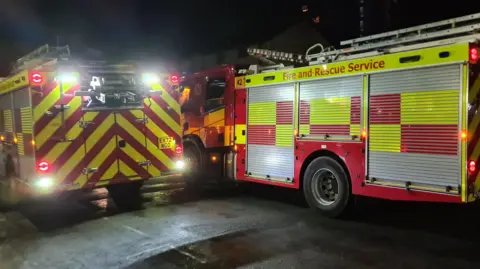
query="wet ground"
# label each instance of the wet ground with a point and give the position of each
(262, 227)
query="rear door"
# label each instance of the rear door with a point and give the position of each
(133, 157)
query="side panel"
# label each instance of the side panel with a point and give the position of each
(270, 132)
(132, 144)
(24, 133)
(100, 142)
(414, 128)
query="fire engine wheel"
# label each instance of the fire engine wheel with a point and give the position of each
(326, 187)
(126, 196)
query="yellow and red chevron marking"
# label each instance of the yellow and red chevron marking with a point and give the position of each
(474, 129)
(333, 116)
(71, 148)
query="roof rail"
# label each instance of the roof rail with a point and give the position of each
(457, 29)
(41, 55)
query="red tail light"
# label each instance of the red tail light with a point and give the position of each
(36, 78)
(174, 78)
(43, 167)
(474, 55)
(472, 166)
(178, 149)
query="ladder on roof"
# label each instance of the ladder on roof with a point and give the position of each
(465, 26)
(40, 56)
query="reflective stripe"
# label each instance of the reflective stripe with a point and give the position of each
(334, 110)
(432, 107)
(284, 135)
(385, 138)
(262, 114)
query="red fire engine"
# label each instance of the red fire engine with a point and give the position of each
(68, 124)
(393, 116)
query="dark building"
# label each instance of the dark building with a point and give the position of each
(295, 39)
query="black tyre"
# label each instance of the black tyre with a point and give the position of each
(126, 196)
(193, 165)
(326, 187)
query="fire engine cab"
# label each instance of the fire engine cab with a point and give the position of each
(393, 115)
(68, 124)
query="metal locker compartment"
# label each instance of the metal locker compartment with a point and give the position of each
(331, 108)
(414, 126)
(270, 132)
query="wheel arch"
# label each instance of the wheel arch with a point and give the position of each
(323, 153)
(193, 139)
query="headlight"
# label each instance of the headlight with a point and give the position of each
(68, 78)
(180, 165)
(44, 183)
(150, 78)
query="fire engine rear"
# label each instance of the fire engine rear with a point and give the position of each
(393, 116)
(70, 124)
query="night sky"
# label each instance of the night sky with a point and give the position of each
(174, 29)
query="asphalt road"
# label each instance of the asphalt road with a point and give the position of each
(263, 227)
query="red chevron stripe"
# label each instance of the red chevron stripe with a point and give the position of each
(59, 134)
(149, 134)
(102, 169)
(46, 119)
(172, 113)
(99, 145)
(139, 170)
(41, 92)
(132, 119)
(78, 143)
(141, 149)
(172, 93)
(159, 122)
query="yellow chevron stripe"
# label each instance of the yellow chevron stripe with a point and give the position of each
(130, 151)
(110, 173)
(150, 124)
(56, 123)
(125, 169)
(74, 160)
(175, 126)
(99, 159)
(72, 134)
(46, 103)
(167, 98)
(152, 148)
